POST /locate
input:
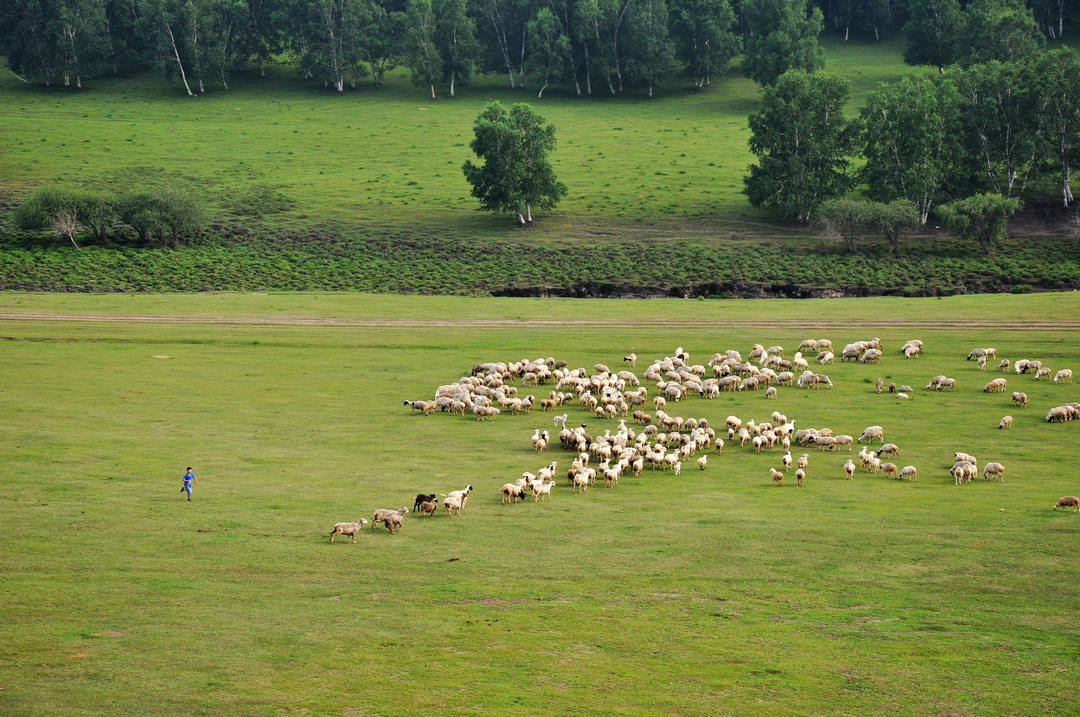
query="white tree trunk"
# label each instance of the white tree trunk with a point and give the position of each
(541, 93)
(176, 55)
(433, 90)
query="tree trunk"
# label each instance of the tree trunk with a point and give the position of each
(176, 55)
(541, 93)
(520, 219)
(432, 90)
(1066, 183)
(521, 67)
(588, 70)
(453, 76)
(528, 213)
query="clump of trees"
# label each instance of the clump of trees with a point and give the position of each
(164, 216)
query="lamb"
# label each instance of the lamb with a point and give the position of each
(347, 529)
(880, 384)
(631, 359)
(849, 469)
(539, 490)
(560, 420)
(995, 386)
(701, 462)
(994, 469)
(871, 434)
(428, 507)
(1019, 398)
(800, 476)
(890, 469)
(1063, 376)
(1006, 422)
(390, 518)
(1004, 366)
(777, 477)
(804, 460)
(909, 472)
(421, 498)
(1068, 501)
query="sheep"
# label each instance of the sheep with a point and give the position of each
(892, 388)
(871, 434)
(631, 359)
(428, 507)
(980, 363)
(427, 407)
(777, 477)
(1006, 422)
(422, 497)
(976, 353)
(347, 529)
(787, 460)
(874, 464)
(580, 482)
(1063, 376)
(994, 469)
(902, 395)
(889, 449)
(871, 356)
(512, 493)
(909, 472)
(1058, 414)
(995, 386)
(539, 490)
(770, 392)
(961, 456)
(390, 518)
(1019, 398)
(849, 470)
(677, 468)
(844, 440)
(1020, 366)
(1004, 366)
(804, 461)
(1041, 373)
(800, 476)
(1068, 501)
(880, 384)
(719, 446)
(560, 420)
(890, 469)
(455, 500)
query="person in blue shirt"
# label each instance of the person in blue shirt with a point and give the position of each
(189, 478)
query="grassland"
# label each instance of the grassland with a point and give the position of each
(709, 593)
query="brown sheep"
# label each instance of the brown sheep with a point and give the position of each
(390, 518)
(347, 529)
(800, 476)
(777, 477)
(1068, 501)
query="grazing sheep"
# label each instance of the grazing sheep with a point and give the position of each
(980, 363)
(994, 469)
(961, 472)
(800, 476)
(777, 477)
(902, 395)
(1043, 372)
(347, 529)
(889, 449)
(871, 356)
(1019, 398)
(890, 469)
(849, 470)
(1058, 414)
(770, 392)
(428, 507)
(995, 386)
(909, 472)
(1004, 366)
(892, 388)
(1063, 376)
(1068, 501)
(390, 518)
(701, 462)
(1006, 422)
(871, 434)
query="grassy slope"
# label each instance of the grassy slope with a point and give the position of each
(713, 592)
(391, 157)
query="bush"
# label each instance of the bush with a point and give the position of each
(166, 215)
(42, 206)
(1022, 289)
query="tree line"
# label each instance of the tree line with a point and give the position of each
(591, 46)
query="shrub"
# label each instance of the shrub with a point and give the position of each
(166, 215)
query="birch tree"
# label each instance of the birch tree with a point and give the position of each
(550, 57)
(1059, 75)
(802, 142)
(933, 32)
(705, 41)
(455, 40)
(425, 63)
(1002, 30)
(780, 35)
(910, 136)
(983, 218)
(650, 52)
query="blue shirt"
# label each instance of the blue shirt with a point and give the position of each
(188, 476)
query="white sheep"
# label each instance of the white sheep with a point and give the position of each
(849, 469)
(871, 434)
(800, 476)
(777, 477)
(351, 529)
(909, 472)
(1006, 422)
(996, 386)
(994, 470)
(701, 462)
(1065, 375)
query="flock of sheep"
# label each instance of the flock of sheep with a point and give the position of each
(656, 440)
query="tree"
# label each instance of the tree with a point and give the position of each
(910, 136)
(802, 142)
(780, 35)
(650, 56)
(704, 39)
(852, 218)
(454, 40)
(516, 174)
(1003, 104)
(981, 217)
(424, 59)
(49, 207)
(1002, 30)
(1059, 73)
(933, 32)
(550, 56)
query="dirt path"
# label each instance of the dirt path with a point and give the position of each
(802, 324)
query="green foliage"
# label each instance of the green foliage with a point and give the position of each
(260, 200)
(933, 32)
(425, 62)
(516, 174)
(1059, 73)
(165, 215)
(650, 53)
(43, 205)
(911, 136)
(802, 141)
(983, 218)
(781, 35)
(854, 218)
(705, 38)
(550, 55)
(999, 30)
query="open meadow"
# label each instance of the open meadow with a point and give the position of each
(708, 593)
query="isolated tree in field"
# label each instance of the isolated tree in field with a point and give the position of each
(1002, 30)
(802, 142)
(1059, 73)
(933, 32)
(780, 35)
(1002, 111)
(705, 41)
(981, 217)
(910, 135)
(516, 174)
(424, 59)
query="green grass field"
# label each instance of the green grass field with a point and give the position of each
(391, 157)
(710, 593)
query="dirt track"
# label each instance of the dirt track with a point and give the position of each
(803, 324)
